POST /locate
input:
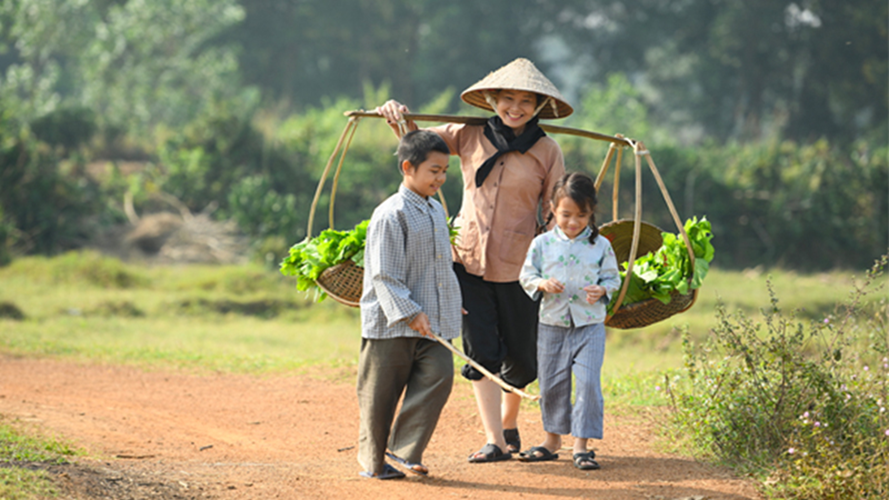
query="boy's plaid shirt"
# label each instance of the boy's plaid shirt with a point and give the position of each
(408, 269)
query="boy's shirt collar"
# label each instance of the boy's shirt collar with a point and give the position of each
(585, 234)
(421, 201)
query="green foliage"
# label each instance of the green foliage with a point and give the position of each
(804, 402)
(150, 64)
(658, 274)
(69, 128)
(260, 210)
(779, 204)
(310, 257)
(47, 200)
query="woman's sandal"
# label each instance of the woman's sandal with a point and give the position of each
(489, 453)
(584, 461)
(513, 441)
(537, 454)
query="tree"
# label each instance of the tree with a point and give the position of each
(746, 70)
(136, 64)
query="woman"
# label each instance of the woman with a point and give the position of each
(509, 167)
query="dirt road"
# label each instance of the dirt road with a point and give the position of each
(162, 434)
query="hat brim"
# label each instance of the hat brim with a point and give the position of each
(520, 74)
(476, 97)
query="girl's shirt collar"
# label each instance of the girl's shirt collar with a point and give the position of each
(585, 234)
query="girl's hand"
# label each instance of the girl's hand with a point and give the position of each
(551, 285)
(393, 110)
(594, 293)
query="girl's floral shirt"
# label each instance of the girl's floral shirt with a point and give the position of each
(576, 263)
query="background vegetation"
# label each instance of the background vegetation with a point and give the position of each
(768, 117)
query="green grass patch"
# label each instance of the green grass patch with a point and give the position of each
(18, 450)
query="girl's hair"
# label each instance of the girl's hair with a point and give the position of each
(582, 190)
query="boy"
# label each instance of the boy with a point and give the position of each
(410, 292)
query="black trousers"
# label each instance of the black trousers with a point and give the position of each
(499, 329)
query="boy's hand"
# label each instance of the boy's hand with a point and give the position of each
(420, 324)
(551, 285)
(594, 293)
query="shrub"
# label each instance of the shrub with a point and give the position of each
(95, 269)
(805, 402)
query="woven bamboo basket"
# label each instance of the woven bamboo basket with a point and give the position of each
(647, 312)
(343, 283)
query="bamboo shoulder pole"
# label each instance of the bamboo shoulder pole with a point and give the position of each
(478, 120)
(494, 378)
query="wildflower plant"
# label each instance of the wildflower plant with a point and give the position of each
(801, 404)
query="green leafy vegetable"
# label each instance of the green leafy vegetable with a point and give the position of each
(310, 257)
(658, 274)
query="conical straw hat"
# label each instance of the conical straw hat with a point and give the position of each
(520, 74)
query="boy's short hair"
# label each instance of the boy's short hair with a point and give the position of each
(416, 145)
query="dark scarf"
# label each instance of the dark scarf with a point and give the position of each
(504, 139)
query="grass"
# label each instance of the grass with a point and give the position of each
(16, 447)
(251, 319)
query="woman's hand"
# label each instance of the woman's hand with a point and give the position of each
(393, 111)
(551, 285)
(594, 293)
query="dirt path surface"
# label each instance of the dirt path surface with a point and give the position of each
(183, 436)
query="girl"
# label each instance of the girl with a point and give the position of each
(509, 166)
(574, 268)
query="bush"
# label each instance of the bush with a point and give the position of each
(804, 402)
(48, 201)
(92, 268)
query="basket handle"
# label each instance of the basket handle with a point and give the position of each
(346, 136)
(639, 150)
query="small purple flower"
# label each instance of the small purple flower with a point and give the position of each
(817, 424)
(806, 415)
(826, 320)
(791, 451)
(866, 368)
(657, 388)
(887, 432)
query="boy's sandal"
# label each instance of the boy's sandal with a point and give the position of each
(489, 453)
(584, 461)
(537, 454)
(389, 472)
(513, 441)
(411, 467)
